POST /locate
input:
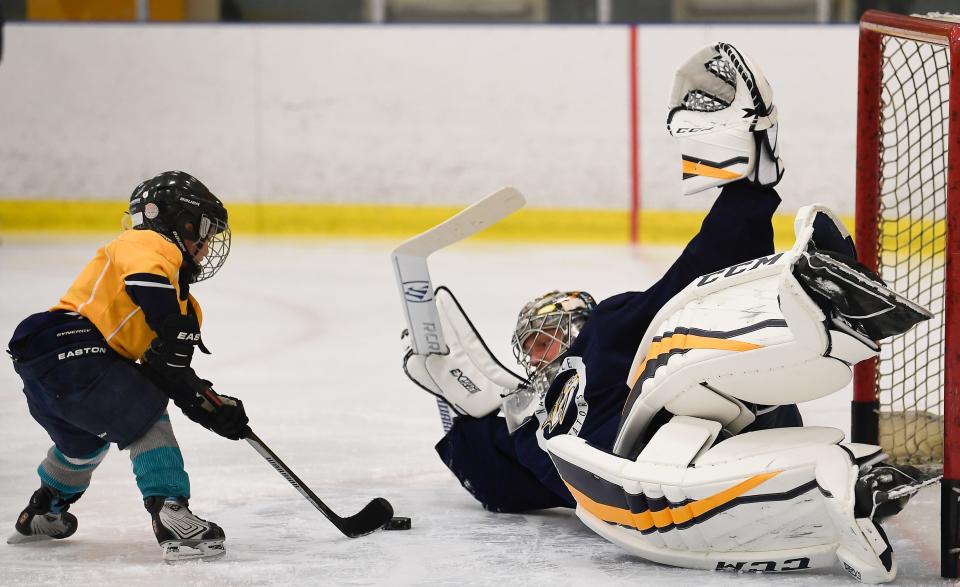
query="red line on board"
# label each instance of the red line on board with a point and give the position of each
(634, 139)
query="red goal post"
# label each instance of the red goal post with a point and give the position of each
(908, 230)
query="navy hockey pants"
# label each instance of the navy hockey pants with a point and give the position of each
(86, 396)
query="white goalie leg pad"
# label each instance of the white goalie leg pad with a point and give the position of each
(863, 549)
(468, 377)
(766, 501)
(749, 333)
(722, 113)
(752, 336)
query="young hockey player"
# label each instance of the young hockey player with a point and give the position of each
(100, 366)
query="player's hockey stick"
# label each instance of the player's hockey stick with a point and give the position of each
(371, 518)
(413, 275)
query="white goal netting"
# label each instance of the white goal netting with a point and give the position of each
(911, 241)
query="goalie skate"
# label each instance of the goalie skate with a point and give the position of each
(884, 489)
(182, 535)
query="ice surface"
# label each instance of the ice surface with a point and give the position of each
(307, 334)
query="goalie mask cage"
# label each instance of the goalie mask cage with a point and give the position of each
(908, 230)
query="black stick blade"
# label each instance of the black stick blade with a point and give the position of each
(370, 519)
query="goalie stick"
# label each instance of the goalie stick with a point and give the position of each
(413, 275)
(372, 517)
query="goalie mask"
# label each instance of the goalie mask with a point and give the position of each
(546, 328)
(182, 209)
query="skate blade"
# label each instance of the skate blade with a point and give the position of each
(18, 538)
(174, 553)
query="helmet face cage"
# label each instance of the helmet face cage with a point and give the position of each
(214, 238)
(178, 206)
(552, 321)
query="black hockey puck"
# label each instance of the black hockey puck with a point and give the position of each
(397, 524)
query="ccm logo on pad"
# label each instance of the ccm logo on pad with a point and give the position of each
(738, 269)
(791, 564)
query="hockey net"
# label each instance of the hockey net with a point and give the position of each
(908, 190)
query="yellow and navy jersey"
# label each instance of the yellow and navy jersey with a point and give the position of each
(129, 287)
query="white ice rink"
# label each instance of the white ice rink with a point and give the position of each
(307, 334)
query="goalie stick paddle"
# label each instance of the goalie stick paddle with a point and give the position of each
(413, 276)
(371, 518)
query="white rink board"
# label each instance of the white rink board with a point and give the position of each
(307, 336)
(395, 114)
(314, 113)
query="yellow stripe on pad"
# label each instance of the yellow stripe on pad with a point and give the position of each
(690, 341)
(694, 168)
(609, 513)
(667, 516)
(702, 506)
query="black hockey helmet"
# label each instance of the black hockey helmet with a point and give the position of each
(178, 206)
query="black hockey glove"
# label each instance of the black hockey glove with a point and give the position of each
(167, 363)
(219, 413)
(170, 353)
(224, 414)
(230, 419)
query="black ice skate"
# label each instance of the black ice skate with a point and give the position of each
(884, 489)
(182, 535)
(37, 522)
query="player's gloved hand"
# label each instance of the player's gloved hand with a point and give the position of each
(167, 362)
(170, 353)
(219, 413)
(228, 419)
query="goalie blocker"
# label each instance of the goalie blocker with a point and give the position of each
(780, 329)
(468, 376)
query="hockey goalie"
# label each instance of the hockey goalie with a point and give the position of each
(691, 451)
(684, 483)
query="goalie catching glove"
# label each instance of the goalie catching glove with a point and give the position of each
(722, 113)
(167, 363)
(467, 377)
